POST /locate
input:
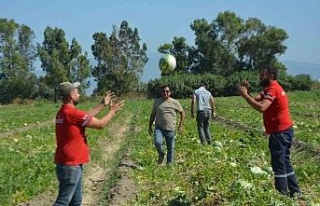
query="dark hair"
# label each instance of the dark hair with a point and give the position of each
(272, 70)
(203, 84)
(164, 86)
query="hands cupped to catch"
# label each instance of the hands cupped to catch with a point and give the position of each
(243, 88)
(116, 105)
(244, 83)
(108, 98)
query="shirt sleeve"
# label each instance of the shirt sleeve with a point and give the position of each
(178, 106)
(81, 118)
(155, 103)
(270, 93)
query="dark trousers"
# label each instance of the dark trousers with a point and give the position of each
(279, 145)
(203, 122)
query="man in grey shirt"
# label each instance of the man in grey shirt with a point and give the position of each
(164, 115)
(205, 111)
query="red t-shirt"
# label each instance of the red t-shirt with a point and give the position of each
(277, 117)
(72, 147)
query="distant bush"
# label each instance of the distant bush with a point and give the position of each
(183, 85)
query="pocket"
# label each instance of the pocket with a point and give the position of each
(274, 144)
(68, 174)
(286, 137)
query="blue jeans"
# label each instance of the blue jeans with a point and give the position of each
(279, 145)
(169, 137)
(70, 185)
(203, 122)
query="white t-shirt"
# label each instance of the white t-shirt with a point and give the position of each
(203, 97)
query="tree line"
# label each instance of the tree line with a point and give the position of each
(226, 49)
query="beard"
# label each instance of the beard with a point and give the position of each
(264, 82)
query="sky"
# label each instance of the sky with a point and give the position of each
(159, 21)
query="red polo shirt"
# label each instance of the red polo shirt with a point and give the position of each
(72, 148)
(277, 117)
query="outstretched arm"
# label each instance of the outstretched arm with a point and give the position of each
(104, 102)
(257, 102)
(101, 123)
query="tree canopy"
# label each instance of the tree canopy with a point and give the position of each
(228, 44)
(17, 55)
(225, 50)
(120, 59)
(62, 62)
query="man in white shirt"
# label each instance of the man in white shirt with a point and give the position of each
(205, 111)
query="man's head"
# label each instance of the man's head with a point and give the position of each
(268, 74)
(165, 91)
(69, 91)
(203, 84)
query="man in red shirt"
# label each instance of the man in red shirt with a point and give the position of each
(273, 103)
(72, 149)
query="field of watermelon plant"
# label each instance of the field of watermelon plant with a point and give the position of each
(25, 157)
(17, 116)
(27, 149)
(235, 170)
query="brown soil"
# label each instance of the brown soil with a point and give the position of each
(125, 190)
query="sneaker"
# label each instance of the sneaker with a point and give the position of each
(160, 158)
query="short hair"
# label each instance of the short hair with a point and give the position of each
(203, 84)
(271, 70)
(165, 86)
(162, 87)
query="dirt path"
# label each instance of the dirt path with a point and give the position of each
(96, 176)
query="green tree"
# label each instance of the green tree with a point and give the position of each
(210, 53)
(259, 44)
(202, 56)
(79, 65)
(17, 55)
(230, 44)
(120, 59)
(61, 62)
